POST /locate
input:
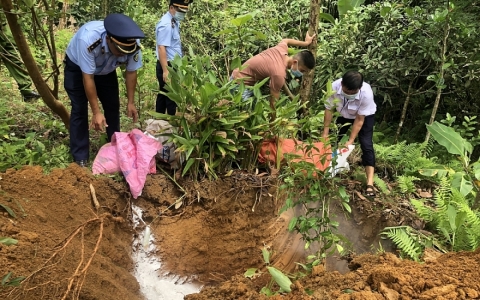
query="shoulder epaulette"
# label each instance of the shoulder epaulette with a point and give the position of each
(94, 45)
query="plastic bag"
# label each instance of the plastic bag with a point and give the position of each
(131, 153)
(341, 164)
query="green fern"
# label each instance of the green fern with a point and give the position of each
(402, 158)
(427, 150)
(455, 221)
(471, 226)
(425, 212)
(403, 238)
(406, 183)
(382, 186)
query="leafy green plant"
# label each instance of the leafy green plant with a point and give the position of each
(216, 129)
(213, 130)
(29, 136)
(363, 37)
(406, 239)
(406, 184)
(313, 189)
(402, 158)
(8, 209)
(239, 38)
(8, 241)
(381, 185)
(16, 152)
(451, 216)
(468, 129)
(7, 281)
(463, 178)
(278, 277)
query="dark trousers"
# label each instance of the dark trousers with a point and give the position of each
(163, 102)
(107, 91)
(365, 137)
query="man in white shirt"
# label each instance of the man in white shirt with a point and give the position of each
(353, 99)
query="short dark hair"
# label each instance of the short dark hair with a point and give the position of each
(306, 58)
(352, 80)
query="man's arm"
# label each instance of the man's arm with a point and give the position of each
(162, 54)
(98, 120)
(357, 125)
(131, 83)
(297, 43)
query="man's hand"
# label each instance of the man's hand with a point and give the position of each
(309, 39)
(98, 122)
(165, 76)
(132, 112)
(348, 143)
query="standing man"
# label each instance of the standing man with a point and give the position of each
(274, 63)
(167, 34)
(15, 66)
(93, 55)
(353, 99)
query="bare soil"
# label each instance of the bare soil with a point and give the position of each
(67, 247)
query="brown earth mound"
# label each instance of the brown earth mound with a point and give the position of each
(382, 277)
(58, 231)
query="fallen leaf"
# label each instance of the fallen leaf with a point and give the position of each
(425, 194)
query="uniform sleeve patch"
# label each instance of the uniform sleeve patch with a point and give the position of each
(135, 57)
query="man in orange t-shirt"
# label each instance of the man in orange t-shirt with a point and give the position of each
(274, 63)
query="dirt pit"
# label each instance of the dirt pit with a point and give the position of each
(67, 247)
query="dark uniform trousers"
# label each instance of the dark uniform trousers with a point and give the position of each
(163, 102)
(108, 93)
(365, 137)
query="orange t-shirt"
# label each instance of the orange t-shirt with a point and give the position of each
(269, 63)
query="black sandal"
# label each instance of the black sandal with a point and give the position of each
(370, 191)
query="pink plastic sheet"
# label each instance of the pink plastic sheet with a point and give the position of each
(131, 153)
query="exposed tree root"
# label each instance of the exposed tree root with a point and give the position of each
(71, 286)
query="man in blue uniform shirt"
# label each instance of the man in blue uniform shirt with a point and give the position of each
(93, 55)
(167, 34)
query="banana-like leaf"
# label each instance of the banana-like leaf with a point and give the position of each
(451, 140)
(460, 183)
(327, 17)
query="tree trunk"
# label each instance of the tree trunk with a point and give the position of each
(307, 79)
(41, 86)
(440, 74)
(404, 111)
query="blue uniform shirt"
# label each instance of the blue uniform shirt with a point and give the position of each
(168, 36)
(100, 61)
